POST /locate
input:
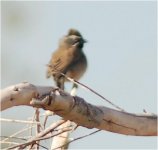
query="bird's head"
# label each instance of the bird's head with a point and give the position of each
(73, 39)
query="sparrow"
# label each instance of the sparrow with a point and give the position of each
(68, 59)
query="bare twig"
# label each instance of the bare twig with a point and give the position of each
(36, 146)
(47, 114)
(46, 131)
(16, 133)
(86, 87)
(18, 121)
(32, 119)
(19, 138)
(37, 120)
(13, 143)
(81, 137)
(34, 140)
(43, 146)
(55, 134)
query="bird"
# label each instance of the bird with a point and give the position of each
(68, 59)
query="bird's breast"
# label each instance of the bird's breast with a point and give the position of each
(78, 68)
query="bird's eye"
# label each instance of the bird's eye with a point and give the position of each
(72, 41)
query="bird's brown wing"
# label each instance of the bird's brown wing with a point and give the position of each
(60, 62)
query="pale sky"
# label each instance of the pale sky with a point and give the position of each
(121, 53)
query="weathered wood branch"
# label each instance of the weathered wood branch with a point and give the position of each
(78, 110)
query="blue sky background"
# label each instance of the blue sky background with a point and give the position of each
(121, 53)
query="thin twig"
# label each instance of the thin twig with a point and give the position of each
(34, 140)
(36, 146)
(19, 138)
(32, 119)
(43, 146)
(19, 121)
(86, 87)
(50, 136)
(16, 133)
(81, 137)
(10, 143)
(47, 130)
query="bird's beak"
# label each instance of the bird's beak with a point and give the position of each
(85, 41)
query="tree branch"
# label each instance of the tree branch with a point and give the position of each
(78, 110)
